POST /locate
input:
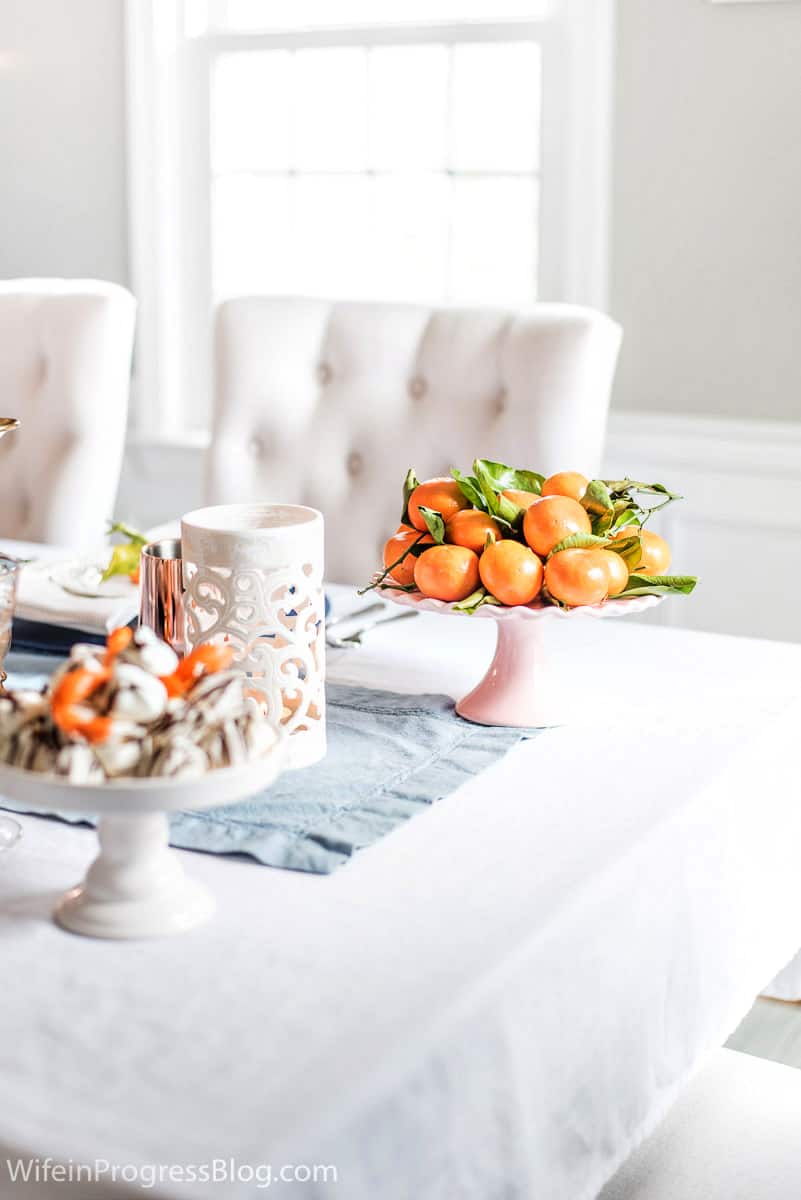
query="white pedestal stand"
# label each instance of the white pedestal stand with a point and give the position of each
(137, 887)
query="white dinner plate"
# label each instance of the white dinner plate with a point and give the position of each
(81, 577)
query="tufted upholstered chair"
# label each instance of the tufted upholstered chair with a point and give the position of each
(328, 404)
(65, 361)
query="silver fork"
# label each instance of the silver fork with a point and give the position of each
(355, 638)
(377, 606)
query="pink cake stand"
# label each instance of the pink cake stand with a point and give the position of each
(521, 688)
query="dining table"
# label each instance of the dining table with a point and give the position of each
(500, 998)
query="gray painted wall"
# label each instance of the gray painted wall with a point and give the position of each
(706, 260)
(62, 139)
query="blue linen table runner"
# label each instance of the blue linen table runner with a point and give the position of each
(389, 757)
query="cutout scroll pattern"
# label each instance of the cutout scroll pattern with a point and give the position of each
(274, 622)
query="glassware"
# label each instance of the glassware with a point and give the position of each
(161, 592)
(10, 830)
(9, 574)
(10, 833)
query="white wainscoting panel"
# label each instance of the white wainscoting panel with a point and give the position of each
(161, 479)
(738, 528)
(739, 525)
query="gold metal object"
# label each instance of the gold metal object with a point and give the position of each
(7, 424)
(161, 592)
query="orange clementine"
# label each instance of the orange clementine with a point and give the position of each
(553, 519)
(511, 572)
(566, 483)
(577, 576)
(627, 531)
(521, 499)
(470, 527)
(396, 546)
(618, 571)
(655, 556)
(442, 494)
(447, 572)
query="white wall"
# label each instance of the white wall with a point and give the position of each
(706, 260)
(62, 139)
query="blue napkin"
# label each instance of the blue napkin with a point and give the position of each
(389, 757)
(35, 637)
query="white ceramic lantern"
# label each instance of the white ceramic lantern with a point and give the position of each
(253, 579)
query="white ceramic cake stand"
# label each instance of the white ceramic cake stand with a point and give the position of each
(521, 688)
(137, 887)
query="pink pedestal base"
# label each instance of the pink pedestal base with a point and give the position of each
(518, 689)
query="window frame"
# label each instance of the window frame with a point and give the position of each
(170, 172)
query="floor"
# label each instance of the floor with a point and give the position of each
(772, 1029)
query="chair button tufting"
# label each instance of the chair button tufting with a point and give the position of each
(354, 464)
(256, 447)
(499, 406)
(417, 387)
(324, 374)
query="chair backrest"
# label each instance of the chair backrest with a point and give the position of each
(328, 404)
(65, 362)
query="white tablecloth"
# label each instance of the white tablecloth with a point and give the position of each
(499, 999)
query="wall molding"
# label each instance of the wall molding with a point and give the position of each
(712, 443)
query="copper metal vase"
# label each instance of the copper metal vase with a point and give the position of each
(161, 592)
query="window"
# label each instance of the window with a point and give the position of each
(405, 172)
(439, 151)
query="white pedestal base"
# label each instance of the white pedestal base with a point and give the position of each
(136, 887)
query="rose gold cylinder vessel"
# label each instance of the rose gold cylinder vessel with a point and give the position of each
(161, 592)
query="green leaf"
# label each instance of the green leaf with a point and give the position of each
(124, 560)
(659, 585)
(602, 525)
(133, 535)
(624, 516)
(496, 505)
(629, 549)
(125, 557)
(509, 513)
(434, 523)
(470, 489)
(409, 484)
(489, 490)
(547, 598)
(627, 489)
(502, 477)
(475, 600)
(597, 499)
(622, 487)
(579, 541)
